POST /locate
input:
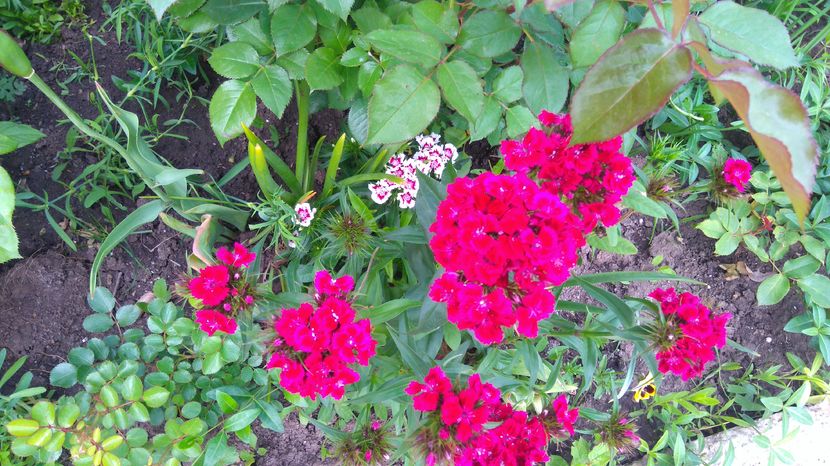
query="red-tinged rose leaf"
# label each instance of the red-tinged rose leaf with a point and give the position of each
(628, 84)
(779, 125)
(552, 5)
(680, 10)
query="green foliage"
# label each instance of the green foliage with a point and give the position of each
(400, 58)
(39, 20)
(137, 381)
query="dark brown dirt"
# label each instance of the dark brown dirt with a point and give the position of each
(42, 306)
(298, 445)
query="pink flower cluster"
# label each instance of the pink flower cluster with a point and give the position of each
(737, 172)
(463, 413)
(222, 290)
(505, 239)
(317, 343)
(431, 158)
(590, 178)
(691, 331)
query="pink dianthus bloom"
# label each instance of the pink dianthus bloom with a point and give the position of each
(211, 285)
(211, 321)
(686, 339)
(737, 172)
(240, 257)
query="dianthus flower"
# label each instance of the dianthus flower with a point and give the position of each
(211, 321)
(431, 158)
(458, 417)
(211, 285)
(316, 343)
(223, 287)
(737, 172)
(590, 178)
(518, 440)
(240, 257)
(304, 214)
(559, 420)
(620, 434)
(503, 241)
(686, 333)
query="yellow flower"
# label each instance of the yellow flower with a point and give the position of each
(645, 389)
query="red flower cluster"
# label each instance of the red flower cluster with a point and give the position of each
(690, 332)
(317, 343)
(462, 414)
(505, 239)
(590, 178)
(737, 172)
(224, 288)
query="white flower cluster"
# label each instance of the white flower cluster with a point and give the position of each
(430, 159)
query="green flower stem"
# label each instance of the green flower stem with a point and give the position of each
(76, 119)
(301, 92)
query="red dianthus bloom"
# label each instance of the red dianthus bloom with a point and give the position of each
(240, 257)
(686, 340)
(737, 172)
(504, 240)
(211, 286)
(318, 342)
(458, 433)
(211, 321)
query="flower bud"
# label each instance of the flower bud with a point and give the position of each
(12, 57)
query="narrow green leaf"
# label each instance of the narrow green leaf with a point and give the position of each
(241, 419)
(13, 136)
(142, 215)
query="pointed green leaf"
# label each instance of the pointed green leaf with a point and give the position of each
(323, 70)
(751, 32)
(292, 27)
(489, 33)
(628, 84)
(273, 87)
(403, 103)
(546, 82)
(773, 289)
(597, 33)
(461, 87)
(233, 104)
(234, 60)
(409, 46)
(780, 126)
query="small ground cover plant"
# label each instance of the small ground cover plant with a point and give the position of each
(414, 302)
